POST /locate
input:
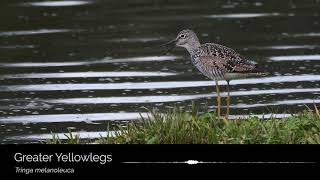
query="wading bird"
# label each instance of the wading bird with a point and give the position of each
(215, 61)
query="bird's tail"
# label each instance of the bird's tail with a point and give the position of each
(260, 71)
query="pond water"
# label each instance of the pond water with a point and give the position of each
(84, 64)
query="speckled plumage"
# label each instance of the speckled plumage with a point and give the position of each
(218, 62)
(215, 61)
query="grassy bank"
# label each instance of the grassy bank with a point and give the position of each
(178, 127)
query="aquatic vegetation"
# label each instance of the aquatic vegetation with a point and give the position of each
(180, 127)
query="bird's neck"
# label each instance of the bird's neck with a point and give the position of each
(193, 47)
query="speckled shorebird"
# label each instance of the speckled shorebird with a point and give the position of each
(215, 61)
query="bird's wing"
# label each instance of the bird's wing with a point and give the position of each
(245, 66)
(217, 63)
(225, 59)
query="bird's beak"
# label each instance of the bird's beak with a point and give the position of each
(169, 45)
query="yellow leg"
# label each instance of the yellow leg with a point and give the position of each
(228, 101)
(218, 101)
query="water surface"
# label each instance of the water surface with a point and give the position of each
(86, 65)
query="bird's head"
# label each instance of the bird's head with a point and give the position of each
(185, 38)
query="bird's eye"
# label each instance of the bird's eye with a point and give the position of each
(182, 36)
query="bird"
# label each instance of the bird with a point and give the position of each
(216, 62)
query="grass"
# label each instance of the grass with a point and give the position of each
(179, 127)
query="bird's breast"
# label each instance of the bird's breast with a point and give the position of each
(211, 72)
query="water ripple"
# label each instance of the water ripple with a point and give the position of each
(51, 118)
(17, 47)
(285, 47)
(57, 3)
(89, 62)
(243, 15)
(276, 103)
(173, 98)
(33, 32)
(134, 40)
(154, 85)
(311, 34)
(296, 58)
(72, 117)
(62, 136)
(86, 75)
